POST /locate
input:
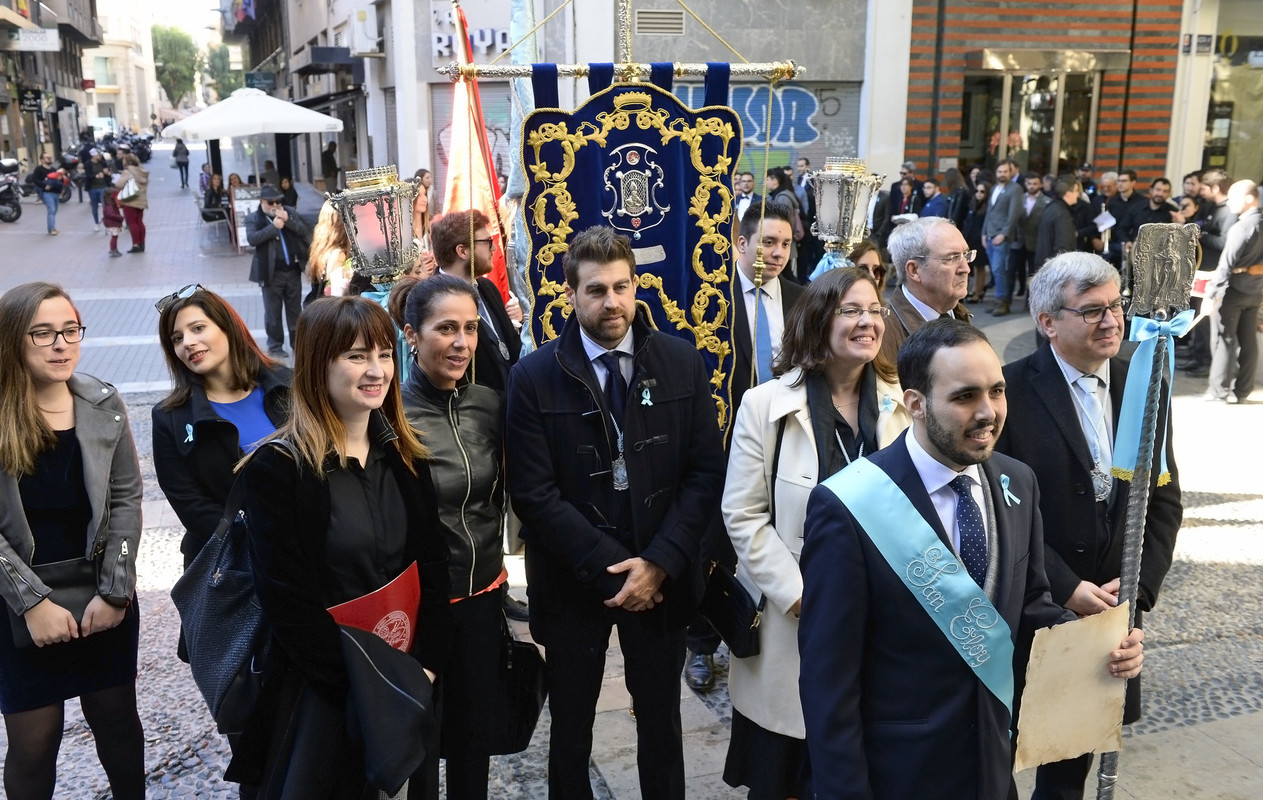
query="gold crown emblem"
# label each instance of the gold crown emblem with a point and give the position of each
(642, 99)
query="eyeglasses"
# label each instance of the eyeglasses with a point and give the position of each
(1094, 315)
(182, 294)
(952, 260)
(46, 338)
(487, 242)
(852, 313)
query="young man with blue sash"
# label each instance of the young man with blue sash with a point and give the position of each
(923, 568)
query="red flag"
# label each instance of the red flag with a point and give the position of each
(471, 177)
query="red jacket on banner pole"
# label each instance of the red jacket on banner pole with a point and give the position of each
(471, 181)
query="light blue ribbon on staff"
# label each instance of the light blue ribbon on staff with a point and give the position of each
(830, 261)
(1130, 418)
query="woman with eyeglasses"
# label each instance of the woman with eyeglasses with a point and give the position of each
(71, 486)
(836, 400)
(462, 424)
(227, 396)
(343, 508)
(972, 231)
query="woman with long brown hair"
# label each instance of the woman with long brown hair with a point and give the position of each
(339, 510)
(227, 396)
(835, 400)
(70, 484)
(867, 256)
(328, 259)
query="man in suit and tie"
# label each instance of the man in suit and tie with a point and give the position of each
(499, 342)
(998, 230)
(744, 196)
(615, 466)
(1064, 404)
(758, 345)
(932, 260)
(903, 548)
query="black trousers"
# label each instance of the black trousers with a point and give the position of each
(653, 657)
(1234, 344)
(283, 293)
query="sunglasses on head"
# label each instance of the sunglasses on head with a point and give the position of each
(182, 294)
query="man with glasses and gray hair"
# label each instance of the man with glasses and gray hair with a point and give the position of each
(932, 260)
(1063, 403)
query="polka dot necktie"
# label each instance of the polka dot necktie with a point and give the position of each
(973, 534)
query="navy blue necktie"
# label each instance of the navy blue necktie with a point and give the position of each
(972, 530)
(615, 384)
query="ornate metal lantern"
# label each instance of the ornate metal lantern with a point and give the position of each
(844, 191)
(376, 208)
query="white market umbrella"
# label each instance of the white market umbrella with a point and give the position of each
(251, 112)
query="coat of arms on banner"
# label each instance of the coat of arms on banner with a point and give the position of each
(635, 159)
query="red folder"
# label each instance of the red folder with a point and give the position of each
(390, 612)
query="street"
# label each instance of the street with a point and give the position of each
(1202, 732)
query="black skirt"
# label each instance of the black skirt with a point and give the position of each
(33, 677)
(771, 765)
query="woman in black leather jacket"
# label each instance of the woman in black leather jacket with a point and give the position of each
(228, 395)
(462, 425)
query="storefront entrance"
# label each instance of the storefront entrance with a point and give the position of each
(1044, 122)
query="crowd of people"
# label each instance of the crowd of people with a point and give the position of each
(867, 421)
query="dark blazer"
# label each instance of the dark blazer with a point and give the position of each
(490, 368)
(904, 320)
(289, 508)
(559, 460)
(1056, 233)
(1085, 538)
(1028, 224)
(892, 712)
(195, 451)
(265, 239)
(742, 340)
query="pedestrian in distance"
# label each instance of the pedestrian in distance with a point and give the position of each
(462, 424)
(215, 199)
(134, 205)
(329, 258)
(289, 195)
(71, 482)
(181, 157)
(836, 399)
(281, 241)
(112, 216)
(343, 508)
(329, 167)
(49, 181)
(98, 179)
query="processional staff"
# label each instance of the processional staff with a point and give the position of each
(1163, 260)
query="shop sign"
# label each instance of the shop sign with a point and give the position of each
(261, 80)
(42, 40)
(29, 100)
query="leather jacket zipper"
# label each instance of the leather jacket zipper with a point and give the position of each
(469, 484)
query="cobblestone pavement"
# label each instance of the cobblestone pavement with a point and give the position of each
(1202, 735)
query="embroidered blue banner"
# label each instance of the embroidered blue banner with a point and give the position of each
(636, 159)
(931, 572)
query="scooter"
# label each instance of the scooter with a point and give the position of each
(10, 195)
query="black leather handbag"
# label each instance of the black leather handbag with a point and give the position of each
(726, 604)
(74, 584)
(520, 697)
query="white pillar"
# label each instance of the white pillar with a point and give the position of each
(884, 95)
(1191, 101)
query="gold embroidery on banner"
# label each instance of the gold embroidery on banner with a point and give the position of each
(636, 108)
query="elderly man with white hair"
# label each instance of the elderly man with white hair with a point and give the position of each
(932, 260)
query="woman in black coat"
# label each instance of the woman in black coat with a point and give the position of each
(228, 396)
(338, 510)
(972, 231)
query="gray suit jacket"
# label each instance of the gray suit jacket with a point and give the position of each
(111, 475)
(1002, 216)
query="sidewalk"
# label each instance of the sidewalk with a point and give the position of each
(1202, 735)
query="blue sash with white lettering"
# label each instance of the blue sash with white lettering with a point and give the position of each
(932, 573)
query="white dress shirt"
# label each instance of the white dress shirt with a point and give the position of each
(772, 310)
(925, 311)
(936, 476)
(594, 351)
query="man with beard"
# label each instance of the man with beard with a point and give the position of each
(499, 344)
(615, 466)
(1158, 209)
(1065, 401)
(901, 549)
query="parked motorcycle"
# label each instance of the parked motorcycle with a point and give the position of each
(10, 194)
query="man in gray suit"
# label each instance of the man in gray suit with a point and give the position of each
(1003, 213)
